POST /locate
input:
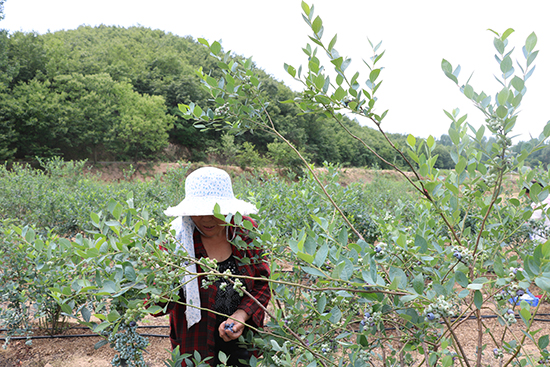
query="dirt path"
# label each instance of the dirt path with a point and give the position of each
(80, 352)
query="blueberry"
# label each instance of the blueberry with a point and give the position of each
(510, 311)
(378, 249)
(324, 350)
(458, 255)
(367, 315)
(520, 292)
(230, 327)
(363, 322)
(495, 351)
(132, 323)
(515, 271)
(430, 316)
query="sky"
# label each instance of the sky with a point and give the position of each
(416, 36)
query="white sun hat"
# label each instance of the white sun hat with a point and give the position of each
(206, 187)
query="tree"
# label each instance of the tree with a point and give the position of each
(142, 128)
(2, 16)
(27, 55)
(90, 112)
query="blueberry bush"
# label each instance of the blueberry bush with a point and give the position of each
(362, 275)
(414, 284)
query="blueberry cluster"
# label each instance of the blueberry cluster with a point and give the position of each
(326, 348)
(462, 254)
(370, 318)
(509, 316)
(497, 353)
(222, 110)
(229, 326)
(380, 250)
(130, 346)
(438, 309)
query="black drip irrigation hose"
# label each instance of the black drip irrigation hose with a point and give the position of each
(167, 326)
(71, 336)
(83, 335)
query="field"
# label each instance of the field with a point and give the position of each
(381, 207)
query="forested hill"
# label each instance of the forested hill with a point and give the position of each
(111, 93)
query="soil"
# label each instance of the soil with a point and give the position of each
(115, 171)
(79, 351)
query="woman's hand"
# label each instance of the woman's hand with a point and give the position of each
(233, 327)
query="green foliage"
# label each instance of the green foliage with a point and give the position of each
(61, 196)
(248, 157)
(360, 274)
(457, 230)
(65, 90)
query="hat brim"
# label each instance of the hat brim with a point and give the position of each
(205, 206)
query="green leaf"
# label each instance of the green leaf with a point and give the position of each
(154, 309)
(503, 96)
(478, 299)
(446, 66)
(30, 235)
(313, 271)
(197, 111)
(113, 316)
(86, 314)
(305, 8)
(499, 45)
(306, 257)
(532, 58)
(411, 140)
(66, 308)
(469, 91)
(99, 328)
(321, 303)
(109, 286)
(95, 219)
(332, 43)
(452, 77)
(291, 70)
(517, 83)
(531, 42)
(129, 271)
(336, 315)
(430, 141)
(461, 165)
(506, 33)
(543, 283)
(502, 111)
(339, 94)
(543, 341)
(101, 343)
(461, 279)
(525, 314)
(374, 75)
(506, 64)
(418, 284)
(215, 48)
(317, 25)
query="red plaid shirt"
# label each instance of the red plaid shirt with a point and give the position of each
(200, 337)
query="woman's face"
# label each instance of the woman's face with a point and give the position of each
(209, 225)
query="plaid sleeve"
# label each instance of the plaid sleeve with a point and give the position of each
(259, 289)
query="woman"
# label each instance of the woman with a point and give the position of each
(201, 234)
